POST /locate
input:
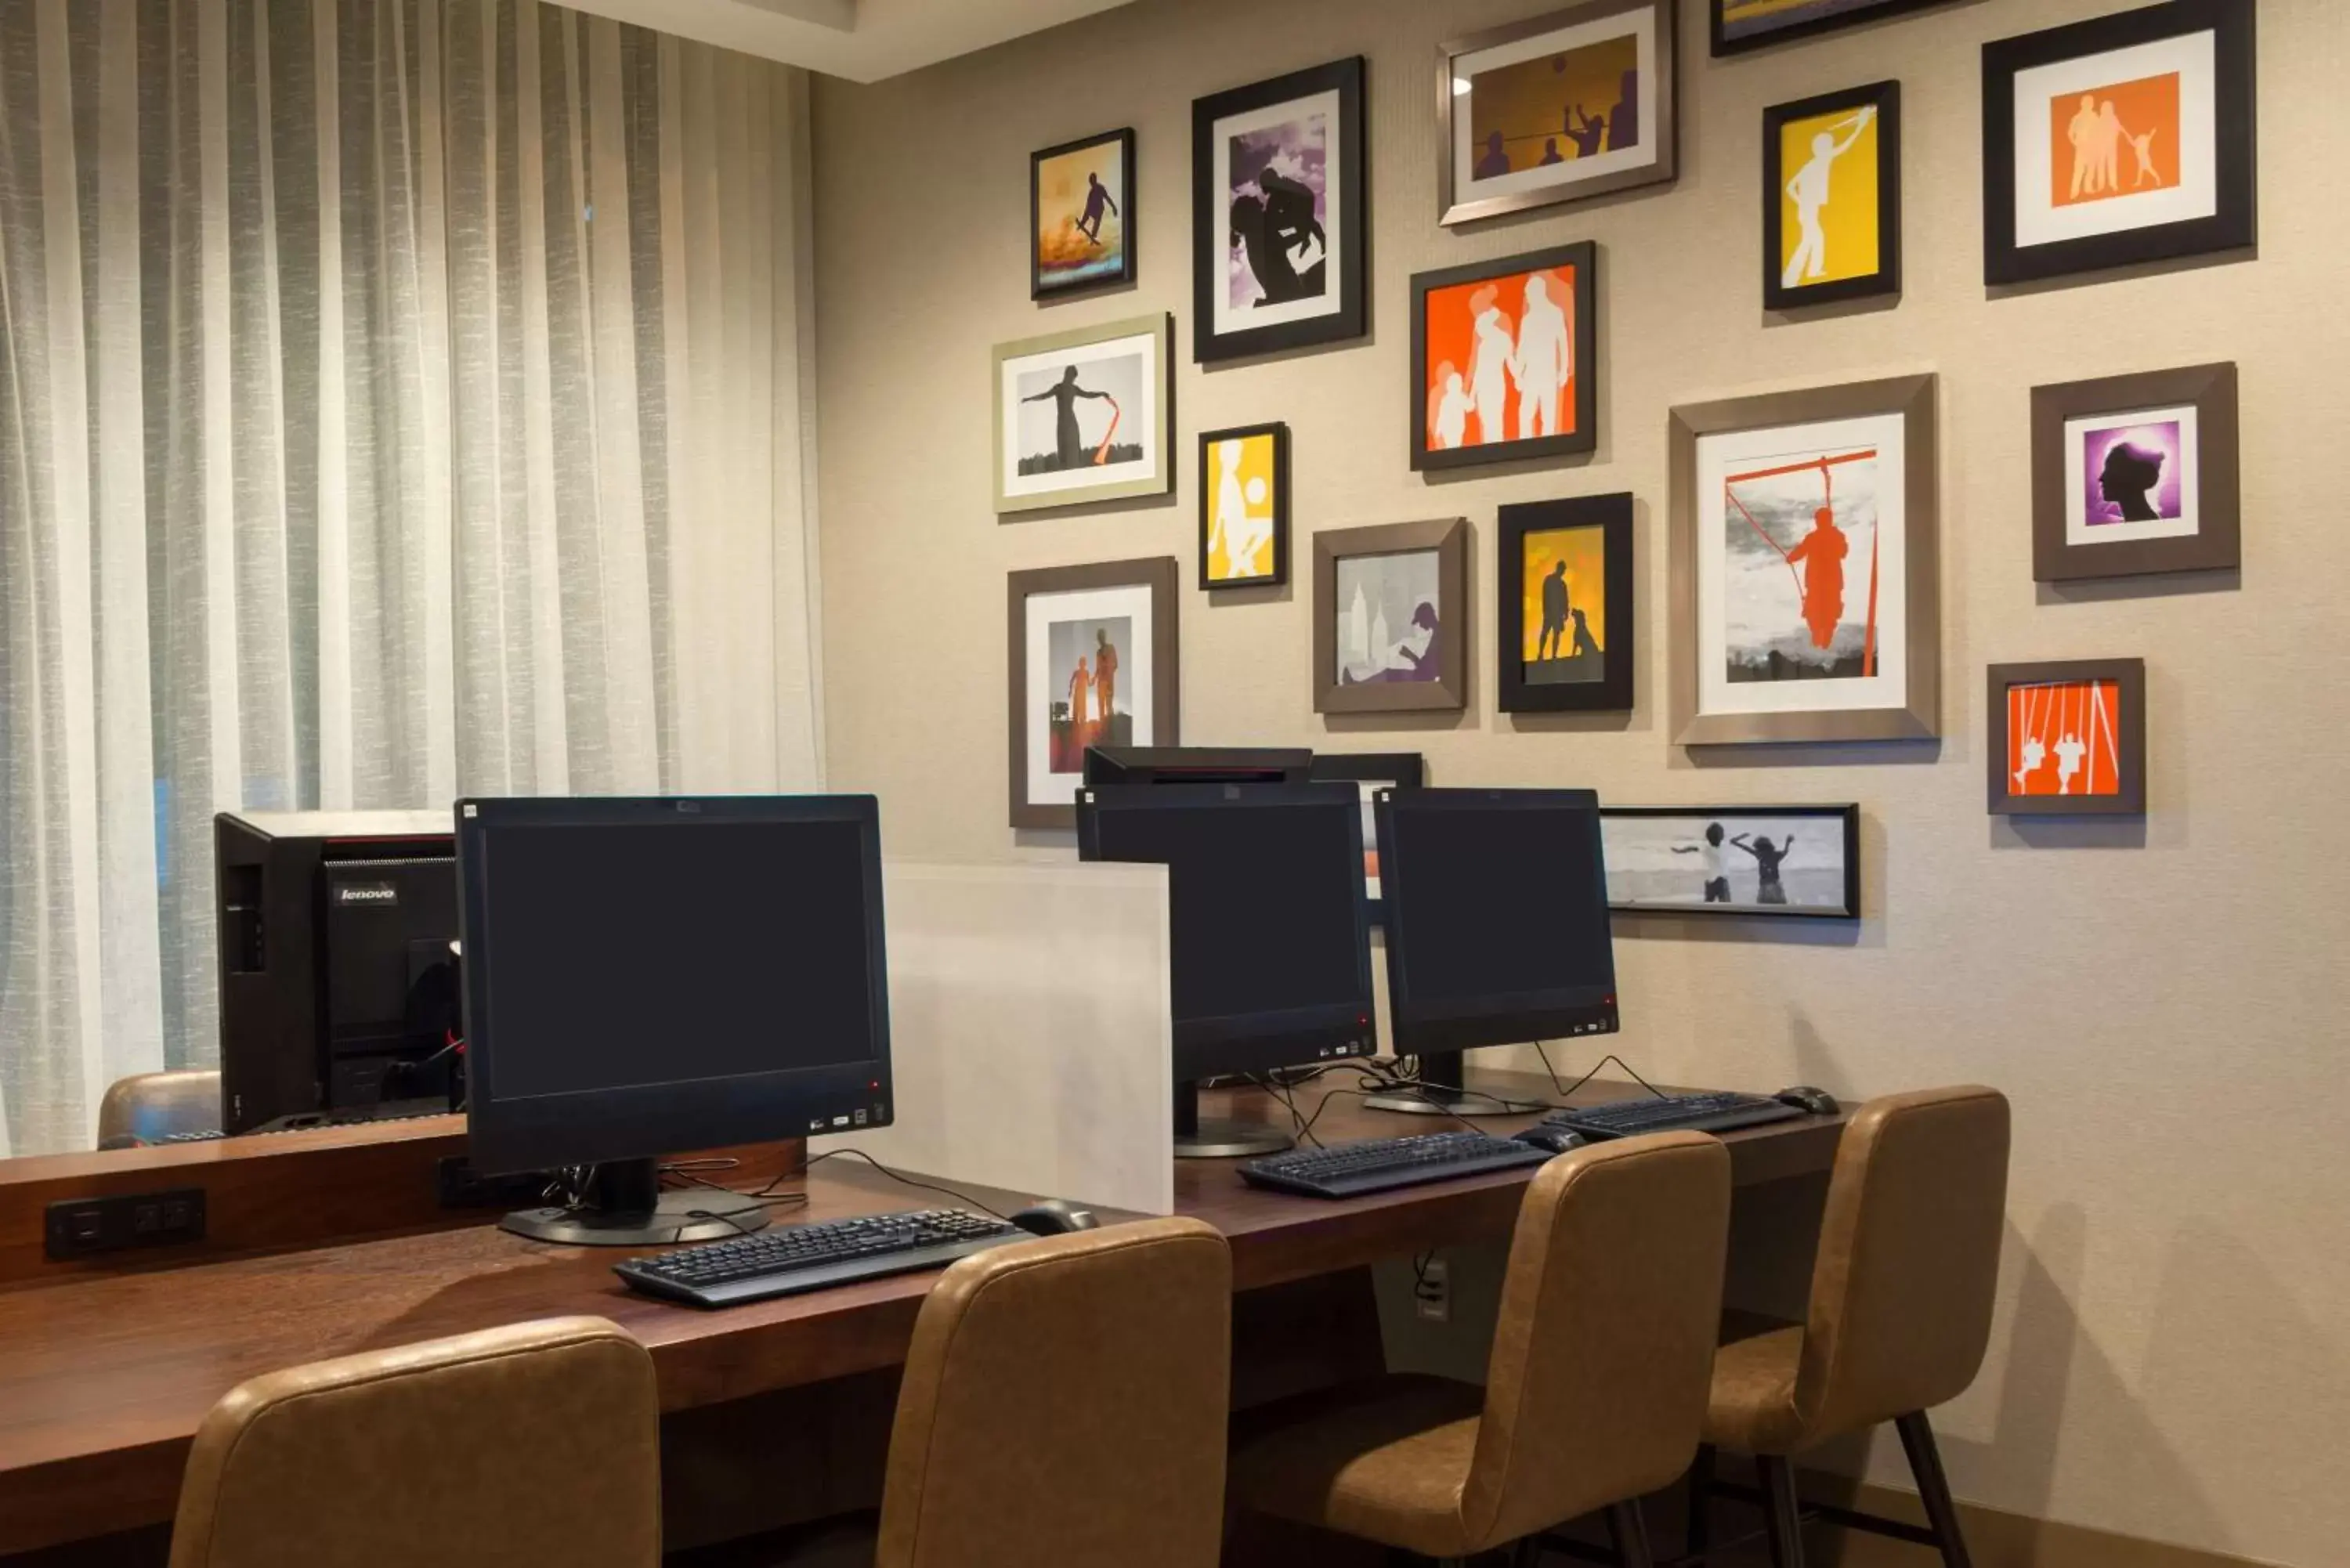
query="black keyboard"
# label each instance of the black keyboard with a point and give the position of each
(1673, 1113)
(791, 1258)
(1380, 1165)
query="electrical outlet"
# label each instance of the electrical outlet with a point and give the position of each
(1431, 1291)
(84, 1227)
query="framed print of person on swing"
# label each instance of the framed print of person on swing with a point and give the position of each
(1806, 587)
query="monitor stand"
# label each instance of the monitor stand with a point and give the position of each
(1196, 1139)
(1443, 1073)
(625, 1207)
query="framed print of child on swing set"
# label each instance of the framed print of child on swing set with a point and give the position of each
(1805, 588)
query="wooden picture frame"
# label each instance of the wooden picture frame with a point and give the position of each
(2018, 760)
(1637, 885)
(1371, 772)
(1481, 179)
(1452, 401)
(2178, 430)
(1727, 39)
(1524, 687)
(2073, 227)
(1092, 597)
(1881, 102)
(1121, 204)
(1895, 694)
(1263, 457)
(1288, 308)
(1136, 355)
(1372, 685)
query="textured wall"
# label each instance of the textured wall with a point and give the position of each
(2173, 1350)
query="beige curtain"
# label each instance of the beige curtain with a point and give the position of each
(401, 399)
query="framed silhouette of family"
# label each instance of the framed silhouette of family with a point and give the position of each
(1505, 359)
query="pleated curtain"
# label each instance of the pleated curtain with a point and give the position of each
(401, 399)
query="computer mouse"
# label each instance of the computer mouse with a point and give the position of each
(1803, 1097)
(1556, 1140)
(1055, 1217)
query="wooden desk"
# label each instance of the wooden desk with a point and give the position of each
(104, 1380)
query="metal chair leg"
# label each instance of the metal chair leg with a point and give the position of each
(1630, 1532)
(1699, 1535)
(1933, 1487)
(1781, 1513)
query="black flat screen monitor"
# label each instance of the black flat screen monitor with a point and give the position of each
(1272, 942)
(1107, 766)
(649, 976)
(1497, 920)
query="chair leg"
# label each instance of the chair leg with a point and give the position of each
(1783, 1514)
(1933, 1487)
(1630, 1532)
(1701, 1505)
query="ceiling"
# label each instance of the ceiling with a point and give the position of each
(864, 40)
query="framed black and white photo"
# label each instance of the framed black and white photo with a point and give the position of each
(1370, 773)
(1084, 416)
(2120, 139)
(1280, 250)
(1566, 606)
(1785, 861)
(1092, 663)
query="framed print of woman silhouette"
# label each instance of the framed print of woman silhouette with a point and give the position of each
(1832, 198)
(2135, 476)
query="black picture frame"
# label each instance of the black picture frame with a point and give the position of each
(1848, 818)
(1385, 770)
(1724, 45)
(1038, 290)
(1885, 98)
(2216, 545)
(2129, 674)
(1612, 517)
(2233, 226)
(1583, 257)
(1212, 230)
(1279, 576)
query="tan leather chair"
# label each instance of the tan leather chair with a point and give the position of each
(1594, 1393)
(148, 1107)
(1899, 1317)
(519, 1448)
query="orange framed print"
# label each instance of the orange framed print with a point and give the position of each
(2067, 739)
(1505, 359)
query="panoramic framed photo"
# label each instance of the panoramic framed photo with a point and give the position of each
(1805, 585)
(1083, 416)
(2120, 139)
(1279, 184)
(1244, 507)
(1832, 198)
(1742, 25)
(1573, 104)
(1371, 773)
(1081, 215)
(1566, 604)
(1391, 619)
(2067, 739)
(1798, 861)
(2133, 475)
(1505, 359)
(1092, 663)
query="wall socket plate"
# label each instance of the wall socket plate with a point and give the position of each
(86, 1227)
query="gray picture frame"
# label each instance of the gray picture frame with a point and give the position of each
(1449, 538)
(1160, 575)
(2218, 544)
(2129, 674)
(1919, 717)
(1161, 326)
(1452, 209)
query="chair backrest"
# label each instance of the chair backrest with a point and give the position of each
(1909, 1259)
(1064, 1402)
(148, 1107)
(1603, 1357)
(536, 1444)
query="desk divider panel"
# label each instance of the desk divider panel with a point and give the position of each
(1031, 1046)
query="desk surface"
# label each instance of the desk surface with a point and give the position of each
(103, 1381)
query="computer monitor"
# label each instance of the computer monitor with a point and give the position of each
(338, 979)
(647, 977)
(1110, 765)
(1497, 929)
(1272, 946)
